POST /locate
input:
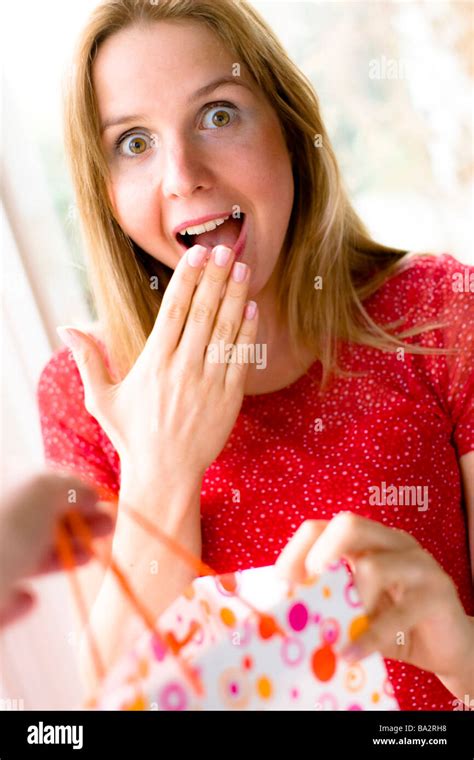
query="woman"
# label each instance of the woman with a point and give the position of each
(179, 113)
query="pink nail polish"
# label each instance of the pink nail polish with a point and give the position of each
(222, 255)
(69, 337)
(196, 255)
(352, 653)
(239, 271)
(250, 310)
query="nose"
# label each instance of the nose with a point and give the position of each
(183, 170)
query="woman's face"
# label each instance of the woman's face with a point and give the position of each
(178, 155)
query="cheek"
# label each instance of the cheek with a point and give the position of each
(279, 178)
(265, 168)
(132, 205)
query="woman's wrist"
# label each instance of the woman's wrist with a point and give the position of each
(172, 503)
(156, 575)
(151, 479)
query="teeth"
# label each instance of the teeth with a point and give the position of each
(206, 227)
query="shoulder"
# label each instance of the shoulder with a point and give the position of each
(425, 287)
(437, 268)
(60, 374)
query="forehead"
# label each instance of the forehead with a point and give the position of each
(162, 60)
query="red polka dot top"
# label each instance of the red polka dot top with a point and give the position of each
(295, 454)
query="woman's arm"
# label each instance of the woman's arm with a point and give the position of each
(463, 686)
(168, 419)
(156, 574)
(466, 463)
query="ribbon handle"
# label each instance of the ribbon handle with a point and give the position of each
(80, 530)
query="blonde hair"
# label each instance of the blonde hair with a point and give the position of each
(325, 236)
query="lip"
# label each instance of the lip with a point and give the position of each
(241, 240)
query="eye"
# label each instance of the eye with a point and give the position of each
(133, 144)
(221, 115)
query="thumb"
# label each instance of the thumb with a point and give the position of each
(90, 363)
(292, 561)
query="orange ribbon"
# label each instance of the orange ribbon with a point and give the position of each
(268, 625)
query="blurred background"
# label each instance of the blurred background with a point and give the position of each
(395, 82)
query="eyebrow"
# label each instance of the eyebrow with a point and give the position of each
(205, 90)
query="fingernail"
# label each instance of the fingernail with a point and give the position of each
(196, 255)
(239, 271)
(69, 336)
(222, 255)
(352, 653)
(250, 310)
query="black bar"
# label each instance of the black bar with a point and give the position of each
(151, 734)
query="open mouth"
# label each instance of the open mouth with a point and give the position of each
(231, 232)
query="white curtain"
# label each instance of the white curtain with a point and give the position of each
(39, 291)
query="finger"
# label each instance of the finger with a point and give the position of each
(80, 494)
(383, 631)
(389, 574)
(101, 525)
(16, 606)
(48, 488)
(91, 365)
(31, 511)
(229, 318)
(244, 351)
(95, 527)
(98, 524)
(52, 562)
(348, 535)
(205, 304)
(63, 492)
(176, 302)
(291, 563)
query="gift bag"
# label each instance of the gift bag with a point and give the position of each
(247, 640)
(254, 644)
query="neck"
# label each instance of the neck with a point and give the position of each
(284, 362)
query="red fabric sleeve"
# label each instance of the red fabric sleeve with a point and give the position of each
(459, 304)
(73, 440)
(442, 293)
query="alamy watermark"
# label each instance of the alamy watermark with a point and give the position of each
(241, 353)
(41, 733)
(11, 704)
(463, 704)
(463, 282)
(399, 496)
(389, 68)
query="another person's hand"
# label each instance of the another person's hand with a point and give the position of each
(28, 520)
